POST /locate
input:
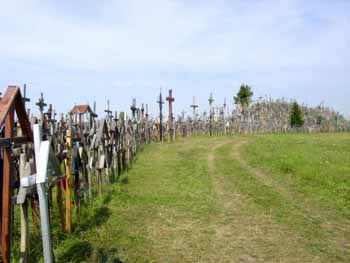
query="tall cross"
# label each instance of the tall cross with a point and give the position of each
(183, 114)
(147, 112)
(108, 111)
(41, 103)
(94, 115)
(25, 99)
(211, 100)
(160, 102)
(170, 99)
(194, 106)
(116, 119)
(142, 112)
(133, 108)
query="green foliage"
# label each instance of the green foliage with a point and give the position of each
(244, 95)
(296, 116)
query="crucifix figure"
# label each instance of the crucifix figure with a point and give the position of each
(41, 104)
(170, 99)
(160, 102)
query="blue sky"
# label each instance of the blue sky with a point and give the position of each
(81, 51)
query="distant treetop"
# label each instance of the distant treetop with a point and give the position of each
(244, 95)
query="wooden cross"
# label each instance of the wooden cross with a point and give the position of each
(183, 114)
(25, 99)
(194, 106)
(142, 111)
(133, 108)
(94, 115)
(160, 102)
(170, 99)
(211, 100)
(108, 111)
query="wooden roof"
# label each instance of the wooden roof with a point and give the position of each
(81, 109)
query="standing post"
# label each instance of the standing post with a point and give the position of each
(170, 99)
(160, 102)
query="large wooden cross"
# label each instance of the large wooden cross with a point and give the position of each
(11, 103)
(170, 99)
(160, 102)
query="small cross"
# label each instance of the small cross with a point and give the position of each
(194, 106)
(116, 116)
(94, 115)
(108, 111)
(41, 103)
(133, 108)
(211, 99)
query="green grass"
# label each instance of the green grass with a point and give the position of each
(316, 165)
(275, 198)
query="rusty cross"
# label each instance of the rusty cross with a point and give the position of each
(170, 99)
(194, 106)
(41, 103)
(160, 102)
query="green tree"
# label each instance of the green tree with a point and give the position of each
(296, 116)
(244, 95)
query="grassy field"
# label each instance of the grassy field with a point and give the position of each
(269, 198)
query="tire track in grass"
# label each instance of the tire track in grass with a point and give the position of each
(243, 233)
(337, 234)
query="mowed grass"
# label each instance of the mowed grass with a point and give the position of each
(316, 165)
(224, 199)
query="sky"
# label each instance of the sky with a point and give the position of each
(81, 51)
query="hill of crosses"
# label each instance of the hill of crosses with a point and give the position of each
(50, 164)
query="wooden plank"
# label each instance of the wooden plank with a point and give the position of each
(7, 191)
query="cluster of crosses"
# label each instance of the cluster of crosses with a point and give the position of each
(73, 158)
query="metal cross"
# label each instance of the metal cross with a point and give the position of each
(41, 103)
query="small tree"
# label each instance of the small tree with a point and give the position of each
(244, 95)
(296, 116)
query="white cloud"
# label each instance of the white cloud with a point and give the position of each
(161, 33)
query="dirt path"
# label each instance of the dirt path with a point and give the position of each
(240, 233)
